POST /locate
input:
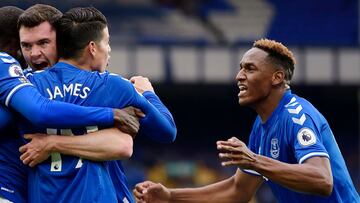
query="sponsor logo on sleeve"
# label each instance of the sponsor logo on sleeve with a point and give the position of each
(306, 137)
(15, 71)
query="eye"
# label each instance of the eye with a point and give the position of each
(43, 43)
(250, 68)
(25, 46)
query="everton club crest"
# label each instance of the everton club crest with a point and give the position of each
(274, 149)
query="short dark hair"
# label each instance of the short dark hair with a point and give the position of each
(279, 54)
(37, 14)
(76, 28)
(9, 38)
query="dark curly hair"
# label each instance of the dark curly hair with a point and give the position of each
(279, 54)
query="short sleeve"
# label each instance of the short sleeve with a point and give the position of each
(11, 78)
(306, 138)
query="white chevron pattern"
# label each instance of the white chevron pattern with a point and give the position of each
(300, 120)
(5, 60)
(294, 104)
(295, 111)
(291, 102)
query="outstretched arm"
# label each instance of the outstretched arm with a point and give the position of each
(47, 113)
(54, 114)
(241, 187)
(18, 93)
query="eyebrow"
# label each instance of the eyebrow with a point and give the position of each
(40, 40)
(246, 64)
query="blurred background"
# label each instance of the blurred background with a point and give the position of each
(190, 50)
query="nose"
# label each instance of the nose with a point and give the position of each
(240, 75)
(35, 52)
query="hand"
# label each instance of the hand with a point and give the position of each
(127, 120)
(36, 151)
(235, 152)
(148, 192)
(141, 84)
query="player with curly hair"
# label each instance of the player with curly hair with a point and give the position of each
(291, 145)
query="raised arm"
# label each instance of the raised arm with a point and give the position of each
(144, 87)
(241, 187)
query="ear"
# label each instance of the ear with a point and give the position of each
(278, 77)
(92, 48)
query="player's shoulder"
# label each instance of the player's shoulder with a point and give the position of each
(113, 78)
(35, 75)
(6, 58)
(115, 82)
(299, 110)
(10, 65)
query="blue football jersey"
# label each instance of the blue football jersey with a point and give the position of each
(15, 89)
(115, 168)
(118, 177)
(13, 173)
(11, 78)
(64, 178)
(13, 179)
(295, 132)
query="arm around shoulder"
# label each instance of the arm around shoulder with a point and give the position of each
(48, 113)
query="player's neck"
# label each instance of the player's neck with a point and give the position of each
(267, 106)
(81, 64)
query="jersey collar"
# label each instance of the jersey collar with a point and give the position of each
(284, 100)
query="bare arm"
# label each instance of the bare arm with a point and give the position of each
(314, 176)
(107, 144)
(238, 188)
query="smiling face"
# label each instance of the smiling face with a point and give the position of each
(254, 77)
(38, 45)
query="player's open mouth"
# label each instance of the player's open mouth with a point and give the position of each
(41, 66)
(243, 90)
